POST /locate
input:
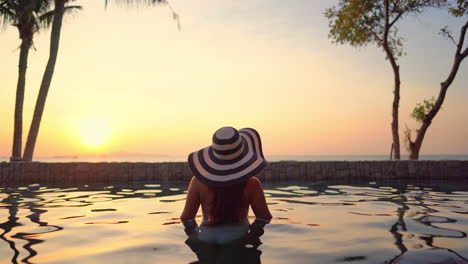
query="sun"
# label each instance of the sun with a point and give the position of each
(94, 132)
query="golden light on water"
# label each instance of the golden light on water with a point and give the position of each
(94, 132)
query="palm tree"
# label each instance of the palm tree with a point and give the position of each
(28, 17)
(60, 9)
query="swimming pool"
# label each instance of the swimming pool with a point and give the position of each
(313, 223)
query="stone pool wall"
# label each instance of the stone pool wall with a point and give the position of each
(321, 171)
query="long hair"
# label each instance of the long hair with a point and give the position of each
(228, 204)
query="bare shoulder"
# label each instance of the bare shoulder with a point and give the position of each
(198, 185)
(194, 180)
(195, 183)
(254, 183)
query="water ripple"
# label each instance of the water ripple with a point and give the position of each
(368, 223)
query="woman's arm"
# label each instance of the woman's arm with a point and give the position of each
(192, 203)
(259, 207)
(257, 200)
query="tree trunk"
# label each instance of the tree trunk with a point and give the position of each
(459, 56)
(415, 146)
(396, 91)
(25, 27)
(395, 106)
(46, 80)
(26, 43)
(414, 151)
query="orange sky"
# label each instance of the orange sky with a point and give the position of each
(128, 81)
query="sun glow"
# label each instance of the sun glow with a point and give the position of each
(94, 132)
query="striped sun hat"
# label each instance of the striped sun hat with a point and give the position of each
(234, 157)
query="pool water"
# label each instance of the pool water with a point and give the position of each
(313, 223)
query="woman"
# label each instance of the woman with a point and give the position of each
(224, 185)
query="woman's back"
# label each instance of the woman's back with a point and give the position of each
(251, 194)
(227, 205)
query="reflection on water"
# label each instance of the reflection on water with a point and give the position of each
(312, 224)
(243, 250)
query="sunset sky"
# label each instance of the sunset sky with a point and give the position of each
(128, 81)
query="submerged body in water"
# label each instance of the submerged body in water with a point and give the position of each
(225, 234)
(221, 234)
(225, 210)
(209, 250)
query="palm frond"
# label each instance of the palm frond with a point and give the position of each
(7, 16)
(136, 2)
(6, 12)
(43, 6)
(69, 9)
(10, 4)
(3, 4)
(45, 20)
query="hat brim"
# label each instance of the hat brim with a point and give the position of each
(209, 169)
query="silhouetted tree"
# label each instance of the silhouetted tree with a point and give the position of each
(59, 10)
(28, 16)
(363, 22)
(425, 112)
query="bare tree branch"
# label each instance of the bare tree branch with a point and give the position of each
(452, 39)
(377, 37)
(395, 19)
(386, 27)
(464, 54)
(447, 34)
(461, 41)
